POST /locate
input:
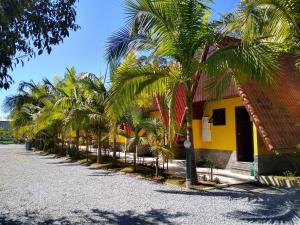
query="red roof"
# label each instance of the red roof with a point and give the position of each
(276, 110)
(202, 95)
(179, 106)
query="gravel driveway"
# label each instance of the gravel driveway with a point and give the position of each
(36, 189)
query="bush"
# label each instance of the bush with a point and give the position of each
(6, 142)
(289, 173)
(296, 162)
(204, 162)
(95, 144)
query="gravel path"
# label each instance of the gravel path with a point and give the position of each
(36, 189)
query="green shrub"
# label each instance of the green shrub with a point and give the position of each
(289, 173)
(6, 142)
(204, 162)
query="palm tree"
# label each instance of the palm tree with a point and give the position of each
(95, 94)
(181, 32)
(72, 103)
(140, 124)
(156, 139)
(32, 115)
(275, 22)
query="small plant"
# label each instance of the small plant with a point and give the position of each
(95, 144)
(204, 178)
(217, 180)
(204, 162)
(289, 173)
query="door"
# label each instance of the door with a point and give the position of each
(244, 135)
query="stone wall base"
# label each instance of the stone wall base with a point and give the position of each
(221, 158)
(273, 164)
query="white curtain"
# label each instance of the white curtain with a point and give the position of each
(206, 133)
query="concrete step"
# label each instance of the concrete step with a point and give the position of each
(242, 168)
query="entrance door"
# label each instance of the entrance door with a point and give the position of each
(244, 135)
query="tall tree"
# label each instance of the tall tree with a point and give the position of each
(32, 112)
(181, 31)
(73, 103)
(275, 22)
(96, 94)
(29, 26)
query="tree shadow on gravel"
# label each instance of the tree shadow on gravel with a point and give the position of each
(25, 153)
(96, 216)
(274, 207)
(62, 162)
(102, 174)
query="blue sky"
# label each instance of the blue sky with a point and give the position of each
(84, 49)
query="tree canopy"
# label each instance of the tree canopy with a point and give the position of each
(28, 27)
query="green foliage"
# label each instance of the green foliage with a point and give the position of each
(289, 173)
(204, 162)
(295, 159)
(29, 26)
(48, 110)
(180, 31)
(6, 136)
(270, 22)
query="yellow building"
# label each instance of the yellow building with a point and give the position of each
(252, 129)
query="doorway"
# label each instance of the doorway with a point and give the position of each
(244, 135)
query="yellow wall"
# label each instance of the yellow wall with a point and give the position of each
(222, 137)
(255, 141)
(197, 134)
(120, 139)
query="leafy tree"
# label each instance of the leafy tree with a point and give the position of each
(180, 31)
(29, 26)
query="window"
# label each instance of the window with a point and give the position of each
(218, 117)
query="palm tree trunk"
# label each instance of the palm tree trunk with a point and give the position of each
(62, 142)
(125, 149)
(69, 147)
(99, 155)
(189, 117)
(87, 149)
(156, 166)
(137, 155)
(77, 142)
(114, 153)
(134, 158)
(167, 163)
(40, 142)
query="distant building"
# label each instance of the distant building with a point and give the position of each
(4, 123)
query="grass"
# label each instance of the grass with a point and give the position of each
(6, 142)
